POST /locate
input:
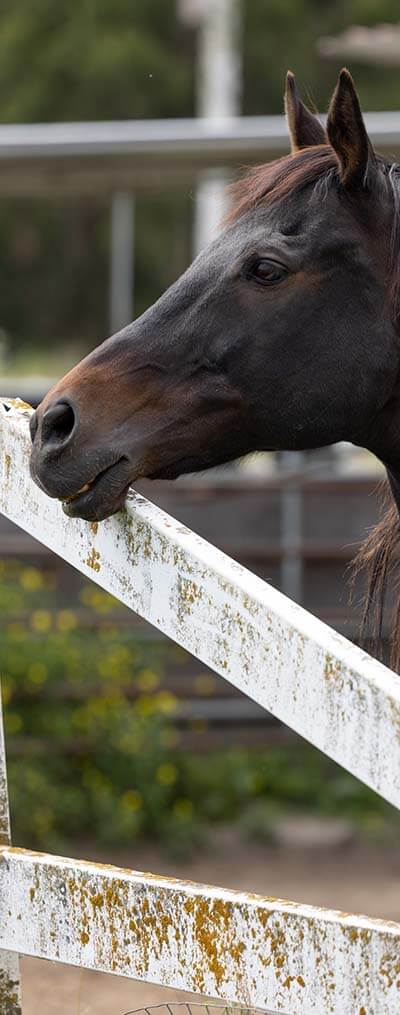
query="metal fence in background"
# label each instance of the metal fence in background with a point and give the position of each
(118, 159)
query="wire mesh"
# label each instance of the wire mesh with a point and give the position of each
(198, 1008)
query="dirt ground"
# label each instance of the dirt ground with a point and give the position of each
(355, 877)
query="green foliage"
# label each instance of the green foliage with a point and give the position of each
(282, 34)
(93, 738)
(98, 59)
(113, 59)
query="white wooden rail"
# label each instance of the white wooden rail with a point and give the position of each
(287, 957)
(10, 992)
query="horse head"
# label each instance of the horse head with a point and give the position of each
(282, 334)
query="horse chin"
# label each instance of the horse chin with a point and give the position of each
(103, 497)
(92, 508)
(106, 494)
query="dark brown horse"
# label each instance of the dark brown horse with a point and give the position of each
(283, 334)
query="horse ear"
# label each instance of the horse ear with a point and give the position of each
(347, 134)
(304, 128)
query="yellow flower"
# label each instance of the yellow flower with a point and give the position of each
(37, 673)
(116, 665)
(166, 774)
(31, 579)
(147, 680)
(130, 743)
(132, 800)
(66, 620)
(40, 620)
(166, 702)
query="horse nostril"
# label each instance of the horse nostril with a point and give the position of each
(58, 423)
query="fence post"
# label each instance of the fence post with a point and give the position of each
(10, 990)
(122, 260)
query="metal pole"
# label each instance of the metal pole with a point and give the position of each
(10, 989)
(122, 259)
(291, 582)
(218, 98)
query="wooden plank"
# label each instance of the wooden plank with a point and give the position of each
(308, 676)
(230, 945)
(10, 993)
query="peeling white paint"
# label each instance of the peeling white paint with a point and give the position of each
(10, 992)
(229, 945)
(333, 694)
(237, 947)
(4, 809)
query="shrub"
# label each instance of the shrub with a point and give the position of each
(93, 736)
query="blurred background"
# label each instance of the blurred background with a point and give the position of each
(122, 121)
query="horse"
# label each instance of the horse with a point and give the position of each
(283, 334)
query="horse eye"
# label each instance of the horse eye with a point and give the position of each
(267, 272)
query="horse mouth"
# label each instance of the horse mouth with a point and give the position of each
(102, 496)
(83, 489)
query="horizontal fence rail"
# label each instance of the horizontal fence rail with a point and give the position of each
(225, 136)
(304, 673)
(224, 944)
(99, 157)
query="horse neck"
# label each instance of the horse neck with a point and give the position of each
(383, 439)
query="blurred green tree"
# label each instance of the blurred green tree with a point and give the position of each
(97, 59)
(100, 59)
(282, 34)
(111, 59)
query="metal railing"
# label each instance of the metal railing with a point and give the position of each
(119, 159)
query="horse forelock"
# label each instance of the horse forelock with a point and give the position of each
(274, 181)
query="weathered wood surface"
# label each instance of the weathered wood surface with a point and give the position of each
(300, 670)
(229, 945)
(10, 995)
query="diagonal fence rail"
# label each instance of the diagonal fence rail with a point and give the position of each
(307, 675)
(264, 952)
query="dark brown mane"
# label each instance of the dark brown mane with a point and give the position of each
(379, 555)
(378, 559)
(277, 180)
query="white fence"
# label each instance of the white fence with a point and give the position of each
(256, 951)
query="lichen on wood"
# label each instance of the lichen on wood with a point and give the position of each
(322, 686)
(238, 947)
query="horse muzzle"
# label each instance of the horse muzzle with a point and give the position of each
(90, 482)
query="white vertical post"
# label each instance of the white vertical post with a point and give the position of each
(122, 259)
(218, 98)
(219, 66)
(10, 992)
